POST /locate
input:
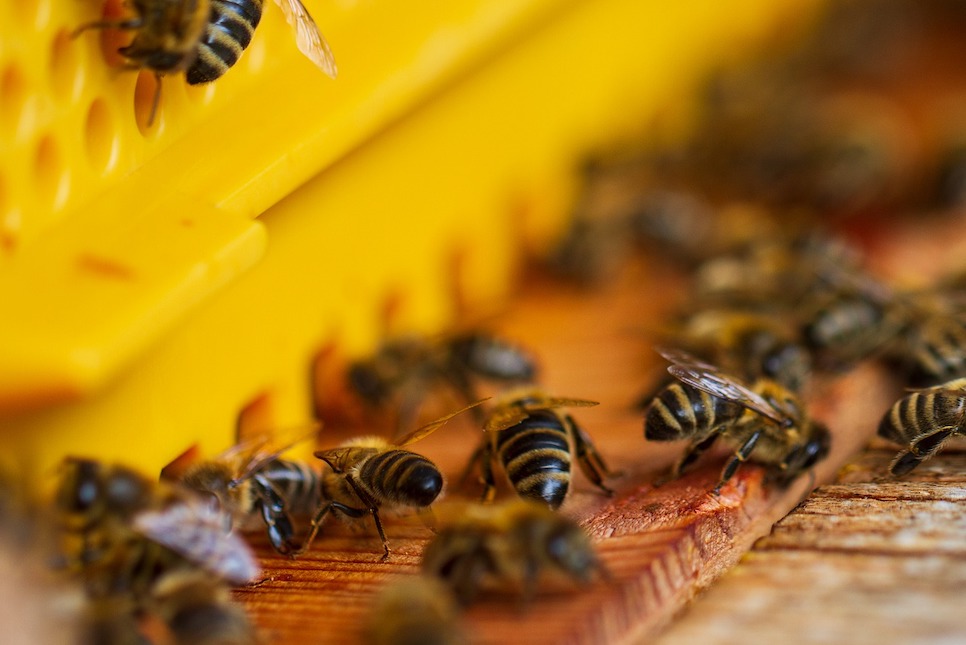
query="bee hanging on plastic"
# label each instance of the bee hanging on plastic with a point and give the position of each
(923, 421)
(369, 474)
(252, 487)
(204, 38)
(536, 443)
(764, 422)
(507, 545)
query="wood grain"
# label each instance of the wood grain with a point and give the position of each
(868, 559)
(661, 544)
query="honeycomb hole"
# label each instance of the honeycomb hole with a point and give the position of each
(147, 102)
(101, 137)
(13, 89)
(112, 40)
(53, 180)
(66, 66)
(331, 400)
(256, 421)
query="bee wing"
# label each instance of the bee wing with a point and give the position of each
(725, 387)
(431, 427)
(257, 459)
(504, 418)
(196, 532)
(680, 357)
(307, 36)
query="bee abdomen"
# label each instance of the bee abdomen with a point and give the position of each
(402, 477)
(228, 33)
(297, 483)
(921, 412)
(681, 412)
(536, 457)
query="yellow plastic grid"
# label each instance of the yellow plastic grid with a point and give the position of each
(148, 307)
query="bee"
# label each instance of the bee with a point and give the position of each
(138, 540)
(402, 371)
(417, 610)
(122, 530)
(251, 487)
(923, 420)
(535, 444)
(931, 341)
(765, 422)
(204, 38)
(751, 344)
(197, 610)
(369, 474)
(508, 545)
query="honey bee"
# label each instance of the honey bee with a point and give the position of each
(204, 38)
(402, 371)
(508, 545)
(923, 420)
(369, 474)
(535, 444)
(198, 611)
(931, 342)
(765, 422)
(417, 610)
(751, 344)
(251, 487)
(140, 540)
(122, 530)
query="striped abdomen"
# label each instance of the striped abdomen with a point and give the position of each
(228, 33)
(535, 454)
(401, 477)
(924, 412)
(683, 412)
(938, 350)
(296, 482)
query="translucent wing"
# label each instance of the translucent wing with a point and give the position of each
(258, 458)
(708, 378)
(307, 36)
(431, 427)
(504, 418)
(508, 416)
(196, 532)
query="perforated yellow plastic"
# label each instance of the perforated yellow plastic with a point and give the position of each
(157, 279)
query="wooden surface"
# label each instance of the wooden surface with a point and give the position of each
(662, 545)
(867, 559)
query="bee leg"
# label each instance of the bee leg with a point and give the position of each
(155, 100)
(276, 517)
(693, 453)
(316, 524)
(474, 458)
(739, 457)
(590, 461)
(373, 510)
(427, 517)
(133, 23)
(921, 448)
(486, 474)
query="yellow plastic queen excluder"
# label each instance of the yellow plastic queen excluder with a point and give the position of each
(156, 278)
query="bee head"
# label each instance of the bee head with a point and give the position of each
(87, 485)
(569, 548)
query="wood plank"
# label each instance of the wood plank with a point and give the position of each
(869, 559)
(661, 545)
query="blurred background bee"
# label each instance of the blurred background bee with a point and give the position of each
(403, 372)
(509, 545)
(126, 538)
(204, 38)
(415, 610)
(535, 444)
(369, 474)
(923, 421)
(765, 422)
(251, 487)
